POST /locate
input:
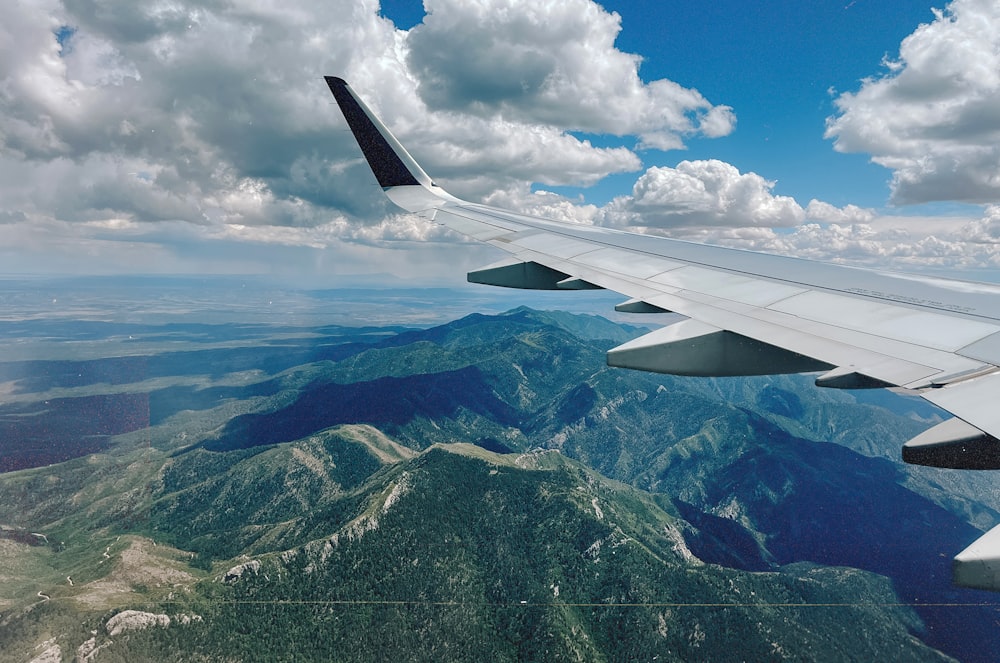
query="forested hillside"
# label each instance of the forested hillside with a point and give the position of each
(482, 490)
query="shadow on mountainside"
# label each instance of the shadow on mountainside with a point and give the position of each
(823, 503)
(386, 403)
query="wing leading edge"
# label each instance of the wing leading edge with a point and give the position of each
(749, 313)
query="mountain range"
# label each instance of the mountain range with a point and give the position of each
(483, 489)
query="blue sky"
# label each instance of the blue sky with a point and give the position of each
(775, 63)
(191, 138)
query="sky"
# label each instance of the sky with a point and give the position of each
(179, 137)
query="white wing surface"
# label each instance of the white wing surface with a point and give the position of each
(749, 313)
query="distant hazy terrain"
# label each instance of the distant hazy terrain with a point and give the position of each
(206, 469)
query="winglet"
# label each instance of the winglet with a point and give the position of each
(392, 164)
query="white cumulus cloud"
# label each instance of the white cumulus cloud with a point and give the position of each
(933, 117)
(120, 119)
(705, 192)
(153, 135)
(217, 113)
(552, 63)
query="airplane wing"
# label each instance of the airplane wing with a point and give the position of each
(749, 313)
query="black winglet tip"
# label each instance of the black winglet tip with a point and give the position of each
(335, 81)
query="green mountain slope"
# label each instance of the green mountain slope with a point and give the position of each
(466, 555)
(346, 497)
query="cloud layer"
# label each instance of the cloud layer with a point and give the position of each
(150, 136)
(220, 114)
(712, 202)
(701, 193)
(933, 117)
(125, 114)
(551, 63)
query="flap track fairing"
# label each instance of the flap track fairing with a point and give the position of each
(517, 274)
(639, 306)
(694, 348)
(978, 566)
(574, 283)
(845, 377)
(954, 444)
